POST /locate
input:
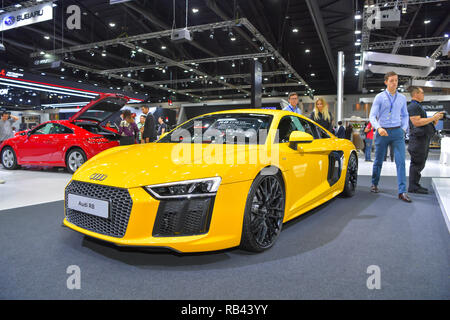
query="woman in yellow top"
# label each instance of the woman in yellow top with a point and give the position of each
(321, 115)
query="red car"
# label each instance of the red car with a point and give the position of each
(66, 143)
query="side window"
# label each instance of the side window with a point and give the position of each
(309, 128)
(285, 127)
(322, 134)
(44, 129)
(60, 129)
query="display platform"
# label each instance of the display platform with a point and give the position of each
(324, 254)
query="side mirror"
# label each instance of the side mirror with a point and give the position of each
(297, 137)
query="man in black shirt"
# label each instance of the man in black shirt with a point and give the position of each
(149, 134)
(421, 129)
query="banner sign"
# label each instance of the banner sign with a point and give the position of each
(46, 61)
(26, 16)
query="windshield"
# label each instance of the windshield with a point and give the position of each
(233, 128)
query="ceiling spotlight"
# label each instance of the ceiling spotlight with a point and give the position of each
(357, 43)
(357, 31)
(233, 64)
(313, 74)
(112, 24)
(211, 35)
(194, 10)
(104, 53)
(163, 47)
(307, 51)
(427, 21)
(357, 17)
(47, 37)
(295, 30)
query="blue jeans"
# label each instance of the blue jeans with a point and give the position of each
(368, 150)
(396, 137)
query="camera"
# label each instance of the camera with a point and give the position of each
(446, 115)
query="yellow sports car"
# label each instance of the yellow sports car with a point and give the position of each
(217, 181)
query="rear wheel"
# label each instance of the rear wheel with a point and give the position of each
(75, 159)
(264, 213)
(351, 177)
(9, 159)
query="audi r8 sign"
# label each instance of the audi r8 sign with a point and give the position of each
(26, 16)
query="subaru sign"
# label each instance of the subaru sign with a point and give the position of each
(23, 17)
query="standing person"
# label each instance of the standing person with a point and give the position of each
(368, 130)
(340, 133)
(421, 129)
(6, 130)
(389, 117)
(140, 126)
(162, 127)
(321, 115)
(293, 103)
(149, 134)
(349, 132)
(128, 129)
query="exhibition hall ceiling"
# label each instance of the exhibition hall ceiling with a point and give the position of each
(128, 45)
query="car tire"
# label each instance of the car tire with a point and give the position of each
(351, 176)
(74, 159)
(9, 159)
(264, 213)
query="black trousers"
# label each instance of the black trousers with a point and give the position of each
(418, 148)
(125, 140)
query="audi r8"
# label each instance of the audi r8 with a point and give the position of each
(220, 180)
(66, 143)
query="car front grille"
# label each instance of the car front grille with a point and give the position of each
(183, 217)
(120, 208)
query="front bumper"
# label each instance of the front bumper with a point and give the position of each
(187, 226)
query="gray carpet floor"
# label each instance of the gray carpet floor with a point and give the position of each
(324, 254)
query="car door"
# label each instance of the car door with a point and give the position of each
(61, 138)
(39, 145)
(307, 166)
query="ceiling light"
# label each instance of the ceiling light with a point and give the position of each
(357, 54)
(17, 5)
(357, 43)
(358, 17)
(446, 35)
(163, 47)
(194, 10)
(112, 24)
(307, 51)
(313, 74)
(47, 37)
(295, 30)
(357, 31)
(211, 35)
(232, 36)
(104, 53)
(427, 21)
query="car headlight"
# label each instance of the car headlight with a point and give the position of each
(185, 189)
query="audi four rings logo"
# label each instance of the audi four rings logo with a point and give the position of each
(98, 176)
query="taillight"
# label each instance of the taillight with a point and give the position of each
(97, 140)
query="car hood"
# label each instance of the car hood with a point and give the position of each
(155, 163)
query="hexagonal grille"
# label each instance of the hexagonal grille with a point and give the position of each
(120, 208)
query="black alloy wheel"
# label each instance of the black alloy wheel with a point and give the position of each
(351, 178)
(264, 213)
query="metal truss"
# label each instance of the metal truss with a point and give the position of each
(135, 43)
(187, 62)
(264, 86)
(421, 42)
(390, 4)
(136, 39)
